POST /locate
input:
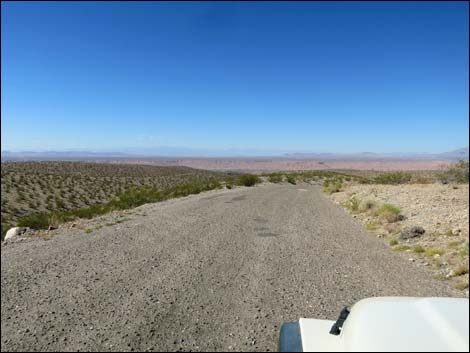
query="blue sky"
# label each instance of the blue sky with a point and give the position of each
(338, 77)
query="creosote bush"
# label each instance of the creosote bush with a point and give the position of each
(291, 179)
(393, 178)
(248, 180)
(275, 178)
(457, 173)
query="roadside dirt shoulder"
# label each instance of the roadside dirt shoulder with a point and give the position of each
(440, 210)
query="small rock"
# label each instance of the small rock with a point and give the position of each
(51, 228)
(436, 256)
(412, 232)
(456, 231)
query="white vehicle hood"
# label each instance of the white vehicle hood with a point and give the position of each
(394, 324)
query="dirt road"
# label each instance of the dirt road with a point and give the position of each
(215, 271)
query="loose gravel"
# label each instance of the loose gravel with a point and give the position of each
(215, 271)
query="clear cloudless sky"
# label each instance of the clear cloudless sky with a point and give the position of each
(338, 77)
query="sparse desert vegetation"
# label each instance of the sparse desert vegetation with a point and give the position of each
(421, 214)
(43, 194)
(392, 178)
(457, 173)
(389, 213)
(275, 178)
(39, 194)
(248, 180)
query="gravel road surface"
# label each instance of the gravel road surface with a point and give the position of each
(215, 271)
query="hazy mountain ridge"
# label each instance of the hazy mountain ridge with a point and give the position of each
(461, 153)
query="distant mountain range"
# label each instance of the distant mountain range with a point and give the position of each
(458, 154)
(60, 155)
(461, 153)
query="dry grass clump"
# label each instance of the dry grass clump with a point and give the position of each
(460, 270)
(434, 252)
(461, 285)
(389, 213)
(367, 205)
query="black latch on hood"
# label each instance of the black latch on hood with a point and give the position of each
(338, 325)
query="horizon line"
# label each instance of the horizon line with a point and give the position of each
(208, 152)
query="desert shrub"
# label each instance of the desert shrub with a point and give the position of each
(86, 212)
(401, 248)
(418, 249)
(215, 184)
(464, 251)
(392, 228)
(423, 180)
(373, 225)
(393, 178)
(432, 252)
(393, 242)
(454, 244)
(60, 204)
(331, 186)
(457, 173)
(460, 270)
(367, 205)
(291, 179)
(352, 204)
(461, 286)
(275, 178)
(389, 212)
(136, 197)
(248, 180)
(35, 221)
